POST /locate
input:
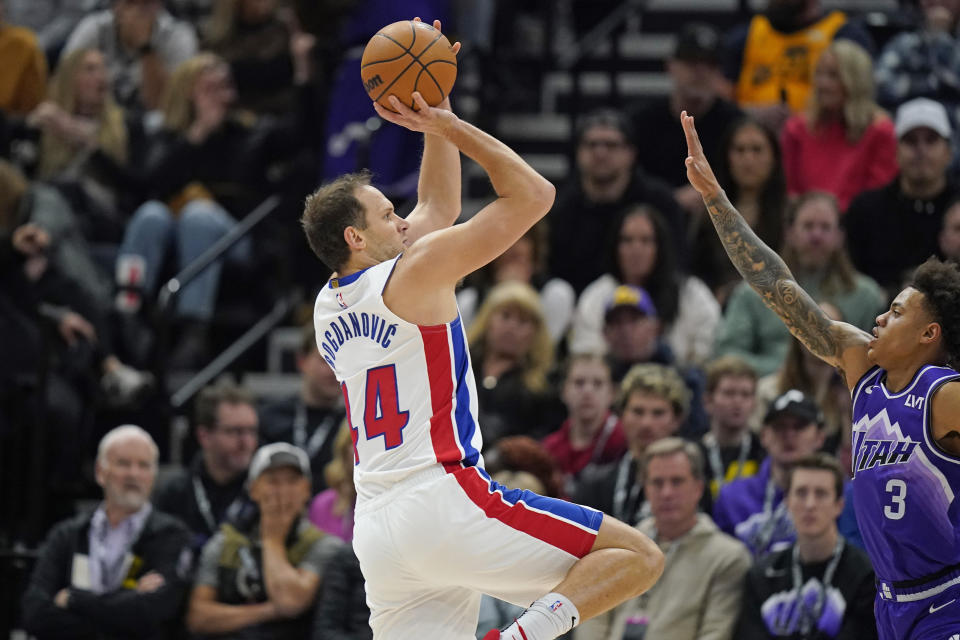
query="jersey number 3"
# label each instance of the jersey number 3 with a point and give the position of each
(381, 413)
(898, 492)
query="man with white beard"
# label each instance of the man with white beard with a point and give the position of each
(120, 571)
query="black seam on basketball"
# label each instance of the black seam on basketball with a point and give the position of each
(416, 82)
(416, 58)
(397, 42)
(435, 81)
(370, 64)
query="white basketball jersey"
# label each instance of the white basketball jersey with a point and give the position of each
(409, 389)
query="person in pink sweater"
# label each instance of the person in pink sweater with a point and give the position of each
(331, 510)
(844, 143)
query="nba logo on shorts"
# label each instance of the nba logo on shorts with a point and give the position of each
(343, 305)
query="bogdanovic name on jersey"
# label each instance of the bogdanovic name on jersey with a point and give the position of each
(355, 325)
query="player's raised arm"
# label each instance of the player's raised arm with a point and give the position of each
(838, 343)
(523, 197)
(438, 189)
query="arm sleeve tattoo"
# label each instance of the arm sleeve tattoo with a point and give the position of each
(769, 276)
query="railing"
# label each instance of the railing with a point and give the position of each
(250, 337)
(169, 291)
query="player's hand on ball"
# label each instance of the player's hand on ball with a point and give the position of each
(436, 25)
(435, 120)
(699, 172)
(456, 49)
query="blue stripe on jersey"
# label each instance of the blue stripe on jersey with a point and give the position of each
(345, 280)
(466, 426)
(575, 513)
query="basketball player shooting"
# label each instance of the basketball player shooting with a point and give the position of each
(906, 416)
(433, 531)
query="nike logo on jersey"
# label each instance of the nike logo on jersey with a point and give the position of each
(873, 453)
(934, 609)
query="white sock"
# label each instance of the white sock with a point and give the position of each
(549, 617)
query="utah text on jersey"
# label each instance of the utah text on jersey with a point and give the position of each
(871, 452)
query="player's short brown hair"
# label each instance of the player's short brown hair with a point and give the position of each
(819, 462)
(728, 366)
(939, 282)
(328, 211)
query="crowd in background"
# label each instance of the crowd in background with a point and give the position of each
(620, 360)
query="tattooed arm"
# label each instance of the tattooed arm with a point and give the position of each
(838, 343)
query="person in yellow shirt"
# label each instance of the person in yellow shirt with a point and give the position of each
(769, 61)
(23, 74)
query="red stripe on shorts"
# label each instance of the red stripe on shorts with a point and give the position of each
(551, 529)
(436, 349)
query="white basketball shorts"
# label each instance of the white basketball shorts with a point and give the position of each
(430, 545)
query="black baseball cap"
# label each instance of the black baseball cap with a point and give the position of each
(698, 42)
(797, 404)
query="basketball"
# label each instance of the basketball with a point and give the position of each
(408, 56)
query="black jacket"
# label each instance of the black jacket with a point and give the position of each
(889, 233)
(342, 612)
(176, 496)
(581, 231)
(771, 581)
(124, 613)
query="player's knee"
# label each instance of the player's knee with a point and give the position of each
(645, 561)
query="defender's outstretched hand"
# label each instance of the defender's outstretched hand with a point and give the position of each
(699, 172)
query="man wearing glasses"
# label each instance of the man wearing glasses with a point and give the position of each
(211, 490)
(588, 206)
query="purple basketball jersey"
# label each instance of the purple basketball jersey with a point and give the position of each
(904, 484)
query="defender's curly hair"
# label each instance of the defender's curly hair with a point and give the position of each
(939, 282)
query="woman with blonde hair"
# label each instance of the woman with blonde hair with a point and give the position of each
(844, 143)
(89, 146)
(205, 170)
(512, 354)
(332, 509)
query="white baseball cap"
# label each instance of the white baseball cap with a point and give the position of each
(277, 455)
(922, 112)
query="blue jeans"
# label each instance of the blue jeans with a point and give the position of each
(154, 230)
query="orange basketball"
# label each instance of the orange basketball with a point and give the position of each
(408, 56)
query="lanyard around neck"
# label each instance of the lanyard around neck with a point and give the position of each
(319, 437)
(626, 491)
(716, 463)
(206, 510)
(771, 517)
